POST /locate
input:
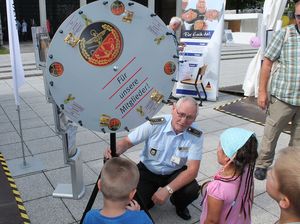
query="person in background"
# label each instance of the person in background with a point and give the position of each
(228, 197)
(118, 182)
(48, 26)
(19, 27)
(170, 159)
(283, 106)
(175, 24)
(24, 30)
(283, 185)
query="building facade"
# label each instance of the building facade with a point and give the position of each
(52, 13)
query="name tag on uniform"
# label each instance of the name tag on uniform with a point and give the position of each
(175, 159)
(183, 148)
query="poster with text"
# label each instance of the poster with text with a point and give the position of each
(201, 35)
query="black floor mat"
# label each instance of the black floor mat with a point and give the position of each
(235, 90)
(246, 108)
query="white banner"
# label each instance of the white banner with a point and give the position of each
(202, 30)
(273, 11)
(14, 49)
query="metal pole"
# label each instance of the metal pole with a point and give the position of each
(21, 135)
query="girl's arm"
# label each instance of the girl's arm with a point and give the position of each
(214, 210)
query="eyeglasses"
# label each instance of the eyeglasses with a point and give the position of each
(297, 16)
(183, 115)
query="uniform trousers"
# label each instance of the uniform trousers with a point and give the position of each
(279, 115)
(149, 183)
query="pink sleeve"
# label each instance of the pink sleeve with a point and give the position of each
(215, 190)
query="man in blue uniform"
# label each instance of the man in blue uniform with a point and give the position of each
(170, 160)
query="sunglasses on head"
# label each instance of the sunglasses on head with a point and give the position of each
(297, 16)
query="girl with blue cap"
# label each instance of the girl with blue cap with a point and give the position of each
(228, 197)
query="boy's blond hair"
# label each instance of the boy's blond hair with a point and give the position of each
(287, 171)
(119, 177)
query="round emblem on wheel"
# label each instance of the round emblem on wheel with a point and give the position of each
(170, 68)
(101, 43)
(117, 8)
(114, 124)
(56, 69)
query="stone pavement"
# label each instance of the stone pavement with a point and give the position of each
(44, 144)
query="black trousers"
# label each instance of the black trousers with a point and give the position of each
(149, 183)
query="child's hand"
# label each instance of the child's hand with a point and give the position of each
(133, 205)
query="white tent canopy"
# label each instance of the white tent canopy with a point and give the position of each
(273, 10)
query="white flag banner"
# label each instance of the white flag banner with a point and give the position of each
(14, 49)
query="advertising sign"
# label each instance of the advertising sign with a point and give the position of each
(41, 42)
(201, 33)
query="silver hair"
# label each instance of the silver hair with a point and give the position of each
(187, 99)
(175, 20)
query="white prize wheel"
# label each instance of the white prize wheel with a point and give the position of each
(111, 64)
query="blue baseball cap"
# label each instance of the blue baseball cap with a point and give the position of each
(233, 139)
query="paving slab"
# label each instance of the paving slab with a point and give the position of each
(13, 151)
(49, 210)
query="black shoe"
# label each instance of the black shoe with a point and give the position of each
(260, 173)
(184, 213)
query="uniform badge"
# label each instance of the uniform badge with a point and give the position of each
(183, 148)
(156, 120)
(175, 159)
(194, 131)
(153, 152)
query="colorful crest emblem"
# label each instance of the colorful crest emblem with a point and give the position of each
(114, 124)
(170, 68)
(56, 69)
(101, 43)
(117, 8)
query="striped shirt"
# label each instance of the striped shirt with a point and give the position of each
(285, 83)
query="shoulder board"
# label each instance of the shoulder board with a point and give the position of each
(156, 120)
(194, 131)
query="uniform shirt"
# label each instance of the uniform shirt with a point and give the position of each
(164, 151)
(285, 83)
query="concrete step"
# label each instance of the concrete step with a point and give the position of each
(27, 73)
(233, 57)
(27, 67)
(236, 56)
(229, 52)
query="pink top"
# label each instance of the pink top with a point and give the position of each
(226, 191)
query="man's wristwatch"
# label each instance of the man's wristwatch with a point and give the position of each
(169, 189)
